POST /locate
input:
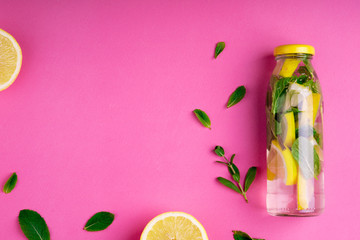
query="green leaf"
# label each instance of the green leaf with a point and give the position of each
(232, 158)
(222, 162)
(250, 176)
(203, 118)
(236, 96)
(33, 225)
(10, 183)
(306, 156)
(219, 48)
(99, 221)
(279, 96)
(219, 151)
(234, 171)
(228, 184)
(239, 235)
(301, 79)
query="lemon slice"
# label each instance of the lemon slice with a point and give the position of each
(10, 59)
(289, 67)
(288, 129)
(305, 187)
(305, 192)
(281, 164)
(174, 226)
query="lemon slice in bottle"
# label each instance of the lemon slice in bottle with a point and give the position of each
(289, 67)
(10, 59)
(174, 226)
(281, 164)
(288, 129)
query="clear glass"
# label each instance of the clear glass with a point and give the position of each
(295, 164)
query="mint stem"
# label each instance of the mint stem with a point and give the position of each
(243, 193)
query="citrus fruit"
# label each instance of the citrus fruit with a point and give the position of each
(305, 191)
(281, 164)
(10, 59)
(289, 67)
(305, 187)
(174, 226)
(288, 129)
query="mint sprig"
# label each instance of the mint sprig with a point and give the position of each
(235, 174)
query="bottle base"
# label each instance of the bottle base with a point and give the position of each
(295, 213)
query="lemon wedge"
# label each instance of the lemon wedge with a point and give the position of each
(281, 164)
(174, 226)
(289, 67)
(10, 59)
(288, 129)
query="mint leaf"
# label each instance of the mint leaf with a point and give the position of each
(278, 97)
(219, 48)
(232, 158)
(99, 221)
(250, 176)
(219, 151)
(10, 183)
(203, 118)
(234, 171)
(236, 96)
(239, 235)
(228, 184)
(33, 225)
(306, 156)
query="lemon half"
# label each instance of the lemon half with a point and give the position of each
(10, 59)
(174, 226)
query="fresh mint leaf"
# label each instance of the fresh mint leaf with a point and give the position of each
(228, 184)
(306, 156)
(219, 151)
(278, 98)
(239, 235)
(301, 79)
(203, 118)
(219, 48)
(10, 183)
(232, 158)
(234, 171)
(236, 96)
(313, 85)
(222, 162)
(250, 176)
(33, 225)
(99, 221)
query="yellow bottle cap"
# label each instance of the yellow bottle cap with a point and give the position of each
(293, 49)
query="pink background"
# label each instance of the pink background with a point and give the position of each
(100, 117)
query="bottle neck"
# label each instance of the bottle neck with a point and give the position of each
(300, 56)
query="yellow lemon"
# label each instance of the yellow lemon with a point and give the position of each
(305, 192)
(10, 59)
(289, 67)
(174, 226)
(281, 164)
(288, 129)
(310, 108)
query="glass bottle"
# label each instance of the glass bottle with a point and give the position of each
(294, 111)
